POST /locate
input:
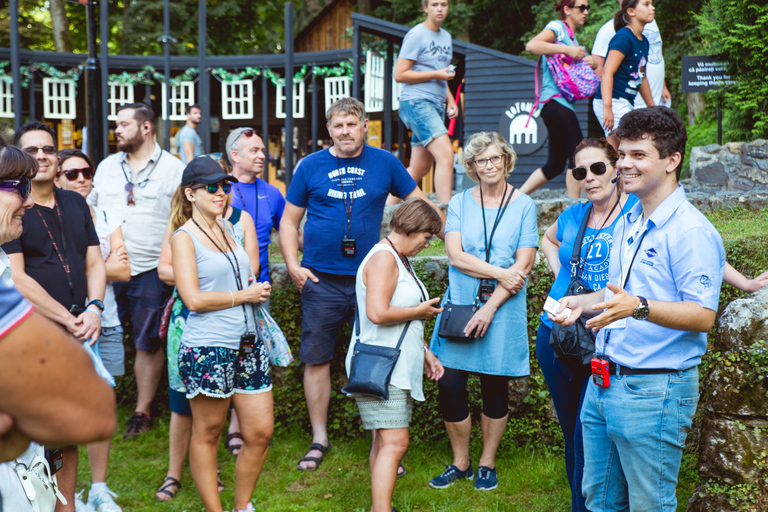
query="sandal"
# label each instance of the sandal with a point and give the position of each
(317, 460)
(233, 447)
(219, 483)
(172, 482)
(401, 471)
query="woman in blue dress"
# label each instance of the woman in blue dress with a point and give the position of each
(491, 240)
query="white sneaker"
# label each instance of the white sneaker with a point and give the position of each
(103, 501)
(80, 506)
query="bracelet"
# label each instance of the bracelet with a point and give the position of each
(233, 298)
(94, 312)
(426, 348)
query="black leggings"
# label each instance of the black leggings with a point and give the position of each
(564, 135)
(452, 395)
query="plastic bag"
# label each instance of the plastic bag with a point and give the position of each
(278, 351)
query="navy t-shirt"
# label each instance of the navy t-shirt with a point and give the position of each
(322, 183)
(265, 204)
(629, 76)
(41, 261)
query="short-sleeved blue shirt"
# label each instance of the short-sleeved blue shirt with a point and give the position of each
(548, 86)
(429, 51)
(323, 183)
(681, 258)
(13, 309)
(629, 76)
(265, 204)
(597, 241)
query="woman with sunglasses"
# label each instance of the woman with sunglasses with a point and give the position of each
(76, 174)
(558, 114)
(596, 175)
(220, 359)
(17, 169)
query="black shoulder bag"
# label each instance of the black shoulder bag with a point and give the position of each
(574, 345)
(372, 365)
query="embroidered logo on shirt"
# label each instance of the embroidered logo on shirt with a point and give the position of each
(651, 253)
(706, 285)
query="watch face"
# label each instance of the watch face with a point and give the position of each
(641, 313)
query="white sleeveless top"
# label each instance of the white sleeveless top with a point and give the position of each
(409, 369)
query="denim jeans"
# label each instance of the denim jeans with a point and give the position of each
(634, 435)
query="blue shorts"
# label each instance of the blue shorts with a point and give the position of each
(111, 350)
(219, 373)
(425, 120)
(179, 403)
(325, 306)
(140, 304)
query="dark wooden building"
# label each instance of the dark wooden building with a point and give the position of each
(327, 30)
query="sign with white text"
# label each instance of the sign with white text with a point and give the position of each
(703, 73)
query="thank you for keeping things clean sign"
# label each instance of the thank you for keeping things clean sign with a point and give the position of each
(703, 73)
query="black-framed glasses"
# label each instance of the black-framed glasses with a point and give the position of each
(87, 173)
(583, 8)
(48, 150)
(482, 163)
(23, 186)
(597, 168)
(226, 186)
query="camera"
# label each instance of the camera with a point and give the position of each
(485, 290)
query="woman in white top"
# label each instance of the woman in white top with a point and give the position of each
(76, 174)
(389, 295)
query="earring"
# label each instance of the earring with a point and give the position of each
(190, 198)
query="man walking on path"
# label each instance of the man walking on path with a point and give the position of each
(190, 143)
(137, 184)
(665, 273)
(343, 190)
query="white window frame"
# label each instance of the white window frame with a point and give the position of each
(59, 99)
(299, 90)
(336, 88)
(6, 99)
(119, 95)
(182, 96)
(374, 83)
(237, 99)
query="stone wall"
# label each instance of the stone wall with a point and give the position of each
(736, 166)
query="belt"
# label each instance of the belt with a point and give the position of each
(617, 368)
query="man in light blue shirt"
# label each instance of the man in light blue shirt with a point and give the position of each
(190, 144)
(666, 270)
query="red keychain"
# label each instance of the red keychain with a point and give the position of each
(601, 374)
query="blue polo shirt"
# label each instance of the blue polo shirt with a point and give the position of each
(681, 258)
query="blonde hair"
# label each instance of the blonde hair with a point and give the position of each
(181, 207)
(481, 141)
(346, 107)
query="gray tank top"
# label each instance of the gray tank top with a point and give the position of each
(218, 328)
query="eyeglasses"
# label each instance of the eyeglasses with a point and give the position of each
(248, 132)
(583, 8)
(48, 150)
(226, 186)
(87, 173)
(23, 186)
(597, 168)
(482, 163)
(130, 198)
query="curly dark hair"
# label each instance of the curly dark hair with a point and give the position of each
(661, 125)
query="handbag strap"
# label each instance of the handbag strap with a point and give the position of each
(576, 255)
(357, 329)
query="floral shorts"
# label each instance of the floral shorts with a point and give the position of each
(219, 373)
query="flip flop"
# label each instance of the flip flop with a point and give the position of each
(219, 483)
(232, 447)
(172, 482)
(317, 460)
(399, 474)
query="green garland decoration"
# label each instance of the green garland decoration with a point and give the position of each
(71, 74)
(226, 76)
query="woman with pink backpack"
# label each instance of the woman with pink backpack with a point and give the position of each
(557, 39)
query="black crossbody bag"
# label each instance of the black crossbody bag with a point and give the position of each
(574, 345)
(372, 365)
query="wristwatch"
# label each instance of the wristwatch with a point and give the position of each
(642, 311)
(96, 302)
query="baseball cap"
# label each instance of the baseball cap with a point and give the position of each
(205, 170)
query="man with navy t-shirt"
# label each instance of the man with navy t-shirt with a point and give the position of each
(343, 190)
(262, 201)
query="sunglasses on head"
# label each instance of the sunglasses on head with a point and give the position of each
(87, 173)
(226, 186)
(583, 8)
(248, 132)
(597, 168)
(48, 150)
(23, 186)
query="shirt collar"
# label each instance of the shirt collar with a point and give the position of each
(153, 158)
(663, 212)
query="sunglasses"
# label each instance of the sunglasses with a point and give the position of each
(226, 186)
(87, 173)
(48, 150)
(23, 186)
(597, 168)
(248, 132)
(583, 8)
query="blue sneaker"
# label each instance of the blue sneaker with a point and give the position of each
(450, 475)
(486, 479)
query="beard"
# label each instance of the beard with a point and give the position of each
(130, 145)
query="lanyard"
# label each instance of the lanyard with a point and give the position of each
(235, 266)
(351, 195)
(142, 183)
(256, 201)
(409, 268)
(499, 215)
(602, 225)
(61, 254)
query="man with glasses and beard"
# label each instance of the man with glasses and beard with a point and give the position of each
(57, 263)
(137, 184)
